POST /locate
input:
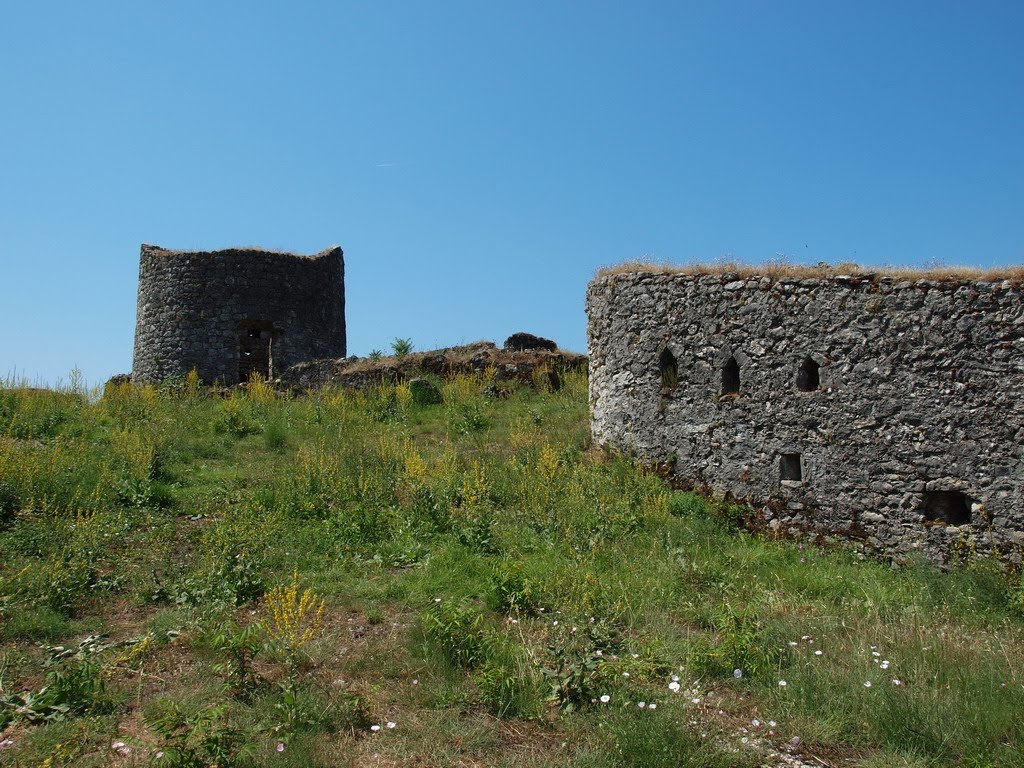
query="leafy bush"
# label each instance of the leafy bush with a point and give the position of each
(73, 686)
(577, 664)
(275, 435)
(467, 418)
(236, 417)
(509, 684)
(200, 739)
(511, 591)
(456, 629)
(739, 643)
(233, 579)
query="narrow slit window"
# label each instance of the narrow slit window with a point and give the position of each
(789, 467)
(949, 507)
(731, 377)
(808, 377)
(669, 370)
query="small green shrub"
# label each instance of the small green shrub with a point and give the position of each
(467, 418)
(233, 579)
(302, 708)
(456, 629)
(239, 647)
(511, 592)
(683, 504)
(577, 665)
(236, 417)
(200, 739)
(738, 644)
(73, 686)
(509, 685)
(401, 347)
(275, 435)
(425, 392)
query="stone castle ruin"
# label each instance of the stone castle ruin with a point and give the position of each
(883, 407)
(231, 313)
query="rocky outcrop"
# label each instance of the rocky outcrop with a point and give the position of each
(476, 358)
(527, 341)
(424, 391)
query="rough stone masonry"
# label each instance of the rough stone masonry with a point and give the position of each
(230, 313)
(882, 407)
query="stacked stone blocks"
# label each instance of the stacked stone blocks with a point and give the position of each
(872, 406)
(232, 312)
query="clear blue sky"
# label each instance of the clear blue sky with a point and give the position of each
(478, 161)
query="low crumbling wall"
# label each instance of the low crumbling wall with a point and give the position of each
(208, 310)
(873, 406)
(535, 366)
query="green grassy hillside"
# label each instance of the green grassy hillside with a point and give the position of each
(357, 579)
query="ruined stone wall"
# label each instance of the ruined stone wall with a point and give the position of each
(871, 406)
(214, 310)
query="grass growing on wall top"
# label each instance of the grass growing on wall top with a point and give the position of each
(494, 591)
(779, 268)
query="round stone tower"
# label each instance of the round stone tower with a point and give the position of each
(230, 313)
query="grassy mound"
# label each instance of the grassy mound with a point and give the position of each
(355, 578)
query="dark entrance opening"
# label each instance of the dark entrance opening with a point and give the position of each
(789, 467)
(807, 378)
(731, 377)
(950, 507)
(254, 351)
(669, 371)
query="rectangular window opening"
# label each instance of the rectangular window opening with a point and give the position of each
(790, 468)
(948, 507)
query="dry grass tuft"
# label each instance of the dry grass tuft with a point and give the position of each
(778, 269)
(237, 249)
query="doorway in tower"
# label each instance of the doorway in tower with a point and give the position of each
(255, 350)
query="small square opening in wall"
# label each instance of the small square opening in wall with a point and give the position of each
(949, 507)
(789, 467)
